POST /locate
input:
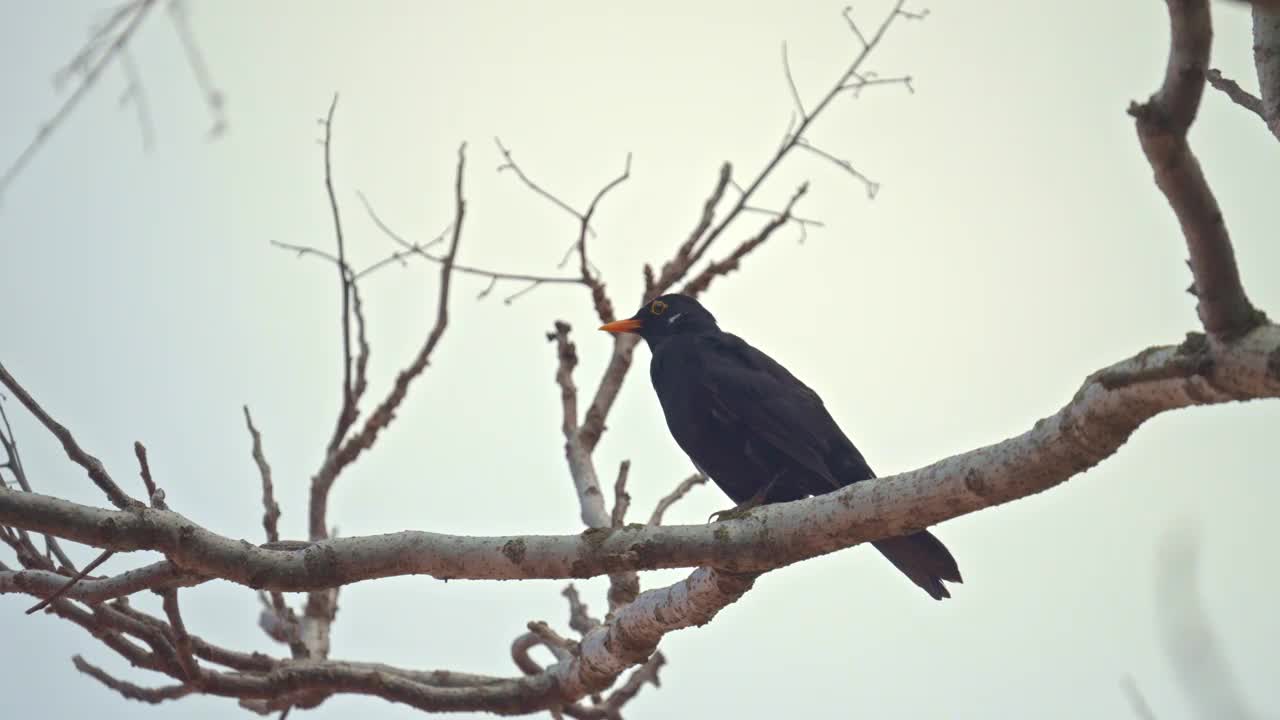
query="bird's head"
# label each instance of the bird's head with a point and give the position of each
(664, 317)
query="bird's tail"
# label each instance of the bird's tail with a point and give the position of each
(923, 558)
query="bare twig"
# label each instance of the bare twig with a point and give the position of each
(181, 640)
(577, 453)
(347, 414)
(847, 13)
(304, 250)
(321, 605)
(195, 60)
(154, 494)
(97, 473)
(510, 164)
(674, 496)
(791, 83)
(797, 136)
(552, 638)
(646, 673)
(383, 414)
(580, 618)
(129, 690)
(703, 280)
(1162, 123)
(621, 500)
(281, 611)
(102, 557)
(420, 250)
(603, 306)
(135, 94)
(1235, 93)
(88, 66)
(872, 187)
(270, 508)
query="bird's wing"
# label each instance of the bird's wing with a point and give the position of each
(753, 389)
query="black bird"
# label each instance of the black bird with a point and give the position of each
(757, 431)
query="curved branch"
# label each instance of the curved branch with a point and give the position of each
(1162, 123)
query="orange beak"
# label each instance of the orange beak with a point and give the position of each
(622, 326)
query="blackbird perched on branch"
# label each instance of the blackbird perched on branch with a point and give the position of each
(757, 431)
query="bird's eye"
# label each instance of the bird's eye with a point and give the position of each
(657, 307)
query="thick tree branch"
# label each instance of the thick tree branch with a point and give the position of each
(1107, 409)
(1162, 123)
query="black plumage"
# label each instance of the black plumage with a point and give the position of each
(755, 429)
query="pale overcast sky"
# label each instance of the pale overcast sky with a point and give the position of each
(1017, 244)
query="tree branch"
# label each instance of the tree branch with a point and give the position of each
(1162, 123)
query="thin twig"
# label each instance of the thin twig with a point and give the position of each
(1237, 94)
(199, 68)
(551, 637)
(603, 306)
(511, 165)
(420, 250)
(270, 508)
(130, 690)
(795, 137)
(646, 673)
(136, 94)
(97, 472)
(103, 557)
(674, 496)
(181, 639)
(580, 619)
(718, 268)
(791, 83)
(383, 414)
(621, 500)
(347, 415)
(90, 73)
(154, 494)
(872, 187)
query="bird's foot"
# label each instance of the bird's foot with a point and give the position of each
(742, 509)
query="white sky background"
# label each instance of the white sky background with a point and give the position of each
(1017, 244)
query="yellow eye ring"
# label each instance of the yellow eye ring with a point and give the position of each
(658, 307)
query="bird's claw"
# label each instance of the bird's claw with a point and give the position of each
(744, 508)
